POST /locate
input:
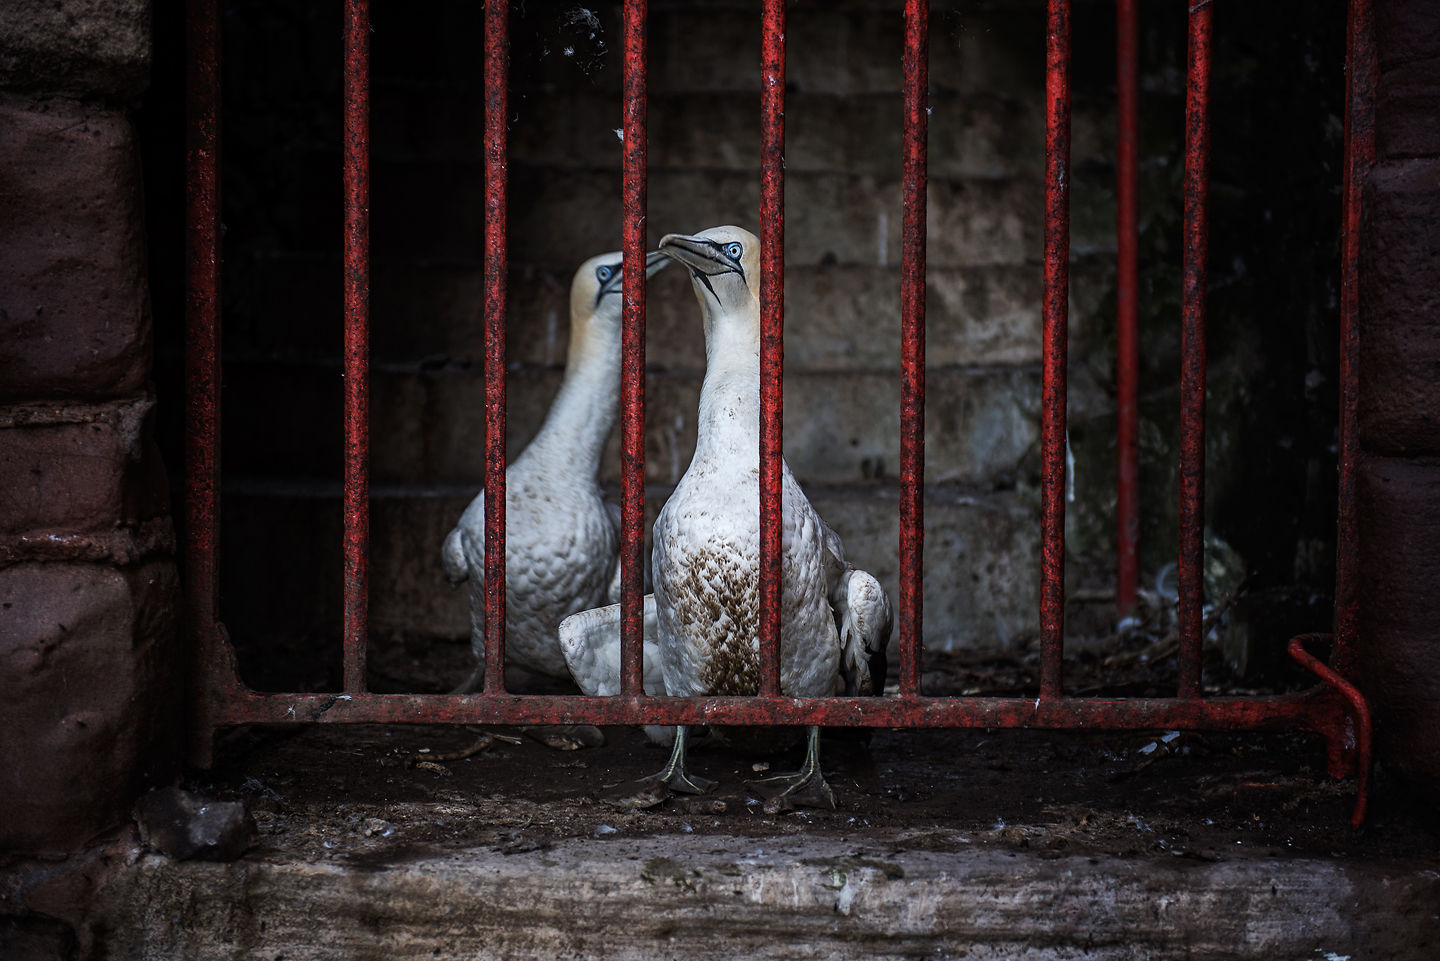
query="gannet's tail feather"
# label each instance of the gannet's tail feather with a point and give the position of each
(590, 641)
(452, 556)
(865, 620)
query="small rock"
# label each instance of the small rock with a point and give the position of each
(635, 797)
(376, 827)
(566, 737)
(521, 844)
(704, 805)
(778, 805)
(186, 826)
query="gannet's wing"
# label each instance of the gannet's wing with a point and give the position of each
(465, 541)
(590, 641)
(612, 591)
(865, 619)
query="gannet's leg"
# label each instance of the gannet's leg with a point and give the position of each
(675, 776)
(806, 786)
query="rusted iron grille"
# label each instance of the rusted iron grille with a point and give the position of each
(1333, 708)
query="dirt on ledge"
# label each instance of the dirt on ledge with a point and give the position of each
(376, 792)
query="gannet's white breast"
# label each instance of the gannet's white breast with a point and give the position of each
(561, 548)
(707, 584)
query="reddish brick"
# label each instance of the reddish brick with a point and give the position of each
(1406, 30)
(91, 670)
(78, 469)
(74, 303)
(1400, 309)
(76, 47)
(1407, 121)
(1399, 504)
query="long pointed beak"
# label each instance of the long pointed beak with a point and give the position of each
(655, 261)
(697, 253)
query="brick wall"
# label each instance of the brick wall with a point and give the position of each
(1399, 480)
(89, 663)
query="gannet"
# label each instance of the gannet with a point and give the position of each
(835, 621)
(590, 641)
(562, 541)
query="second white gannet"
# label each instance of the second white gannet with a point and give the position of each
(835, 621)
(562, 540)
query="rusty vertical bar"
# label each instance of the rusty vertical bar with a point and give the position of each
(202, 358)
(1360, 70)
(632, 376)
(772, 324)
(1055, 307)
(497, 69)
(1127, 282)
(916, 65)
(357, 340)
(1192, 348)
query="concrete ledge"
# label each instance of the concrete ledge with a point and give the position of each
(728, 897)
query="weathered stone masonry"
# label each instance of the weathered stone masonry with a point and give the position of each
(89, 664)
(1399, 482)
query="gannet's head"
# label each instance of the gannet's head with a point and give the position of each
(596, 296)
(598, 283)
(724, 265)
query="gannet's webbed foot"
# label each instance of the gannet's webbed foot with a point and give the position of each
(806, 786)
(675, 777)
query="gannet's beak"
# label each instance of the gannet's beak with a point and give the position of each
(655, 261)
(701, 255)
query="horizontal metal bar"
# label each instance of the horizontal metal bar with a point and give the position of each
(1310, 710)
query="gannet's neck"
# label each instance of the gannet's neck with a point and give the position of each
(573, 437)
(729, 417)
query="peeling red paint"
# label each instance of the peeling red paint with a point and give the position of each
(632, 364)
(357, 341)
(1127, 305)
(497, 71)
(772, 333)
(1192, 350)
(912, 345)
(1055, 312)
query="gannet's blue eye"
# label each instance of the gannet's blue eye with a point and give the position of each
(733, 251)
(603, 273)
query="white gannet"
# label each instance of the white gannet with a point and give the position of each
(835, 621)
(590, 641)
(562, 540)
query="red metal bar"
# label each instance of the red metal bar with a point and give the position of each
(1192, 349)
(1320, 710)
(632, 373)
(202, 357)
(912, 344)
(497, 69)
(357, 340)
(1127, 284)
(1351, 750)
(1360, 75)
(772, 327)
(1055, 307)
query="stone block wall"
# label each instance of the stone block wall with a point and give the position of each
(1399, 482)
(91, 674)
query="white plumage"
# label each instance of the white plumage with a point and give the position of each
(834, 621)
(562, 540)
